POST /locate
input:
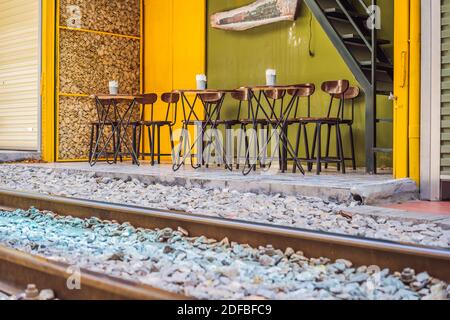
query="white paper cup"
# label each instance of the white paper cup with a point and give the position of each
(201, 85)
(271, 77)
(113, 87)
(201, 81)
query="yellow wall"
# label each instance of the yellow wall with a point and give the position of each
(414, 91)
(175, 52)
(407, 89)
(401, 88)
(177, 31)
(174, 49)
(48, 80)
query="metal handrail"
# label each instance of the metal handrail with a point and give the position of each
(364, 5)
(373, 46)
(373, 77)
(374, 86)
(352, 21)
(368, 82)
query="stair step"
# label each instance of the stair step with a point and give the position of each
(380, 65)
(337, 13)
(383, 76)
(383, 150)
(384, 93)
(352, 38)
(385, 120)
(384, 89)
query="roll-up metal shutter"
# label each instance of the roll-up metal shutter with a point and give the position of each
(445, 111)
(19, 74)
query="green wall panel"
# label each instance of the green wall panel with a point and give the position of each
(237, 58)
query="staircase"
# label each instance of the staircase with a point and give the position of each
(345, 22)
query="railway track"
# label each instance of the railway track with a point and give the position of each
(20, 269)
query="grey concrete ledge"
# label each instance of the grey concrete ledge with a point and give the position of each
(401, 215)
(400, 190)
(11, 156)
(338, 188)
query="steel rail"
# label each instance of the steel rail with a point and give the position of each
(395, 256)
(18, 269)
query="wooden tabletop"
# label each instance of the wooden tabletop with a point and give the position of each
(280, 87)
(195, 91)
(256, 88)
(130, 97)
(121, 97)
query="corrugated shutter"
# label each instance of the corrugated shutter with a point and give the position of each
(445, 111)
(19, 74)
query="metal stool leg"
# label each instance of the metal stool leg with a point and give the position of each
(207, 159)
(319, 149)
(159, 144)
(141, 140)
(327, 154)
(115, 146)
(284, 152)
(297, 145)
(133, 143)
(305, 137)
(228, 148)
(313, 146)
(153, 145)
(255, 147)
(352, 142)
(171, 140)
(150, 139)
(91, 143)
(119, 145)
(247, 148)
(239, 148)
(264, 142)
(141, 143)
(340, 148)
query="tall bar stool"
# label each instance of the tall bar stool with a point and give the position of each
(304, 91)
(334, 89)
(243, 96)
(212, 102)
(97, 126)
(277, 95)
(138, 126)
(350, 95)
(94, 137)
(154, 126)
(266, 118)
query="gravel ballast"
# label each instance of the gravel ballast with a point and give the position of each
(205, 268)
(298, 212)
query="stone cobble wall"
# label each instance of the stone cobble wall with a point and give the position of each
(121, 17)
(101, 45)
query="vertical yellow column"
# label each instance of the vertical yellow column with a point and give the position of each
(189, 48)
(189, 42)
(401, 88)
(48, 80)
(158, 56)
(175, 51)
(158, 45)
(414, 91)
